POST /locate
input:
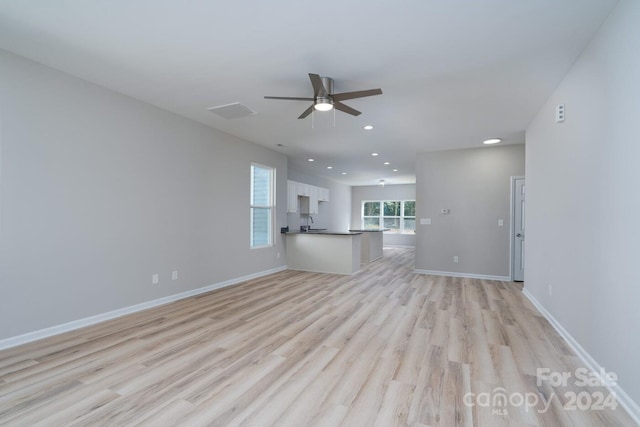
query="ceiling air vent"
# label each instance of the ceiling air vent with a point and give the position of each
(232, 111)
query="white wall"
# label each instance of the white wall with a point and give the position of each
(474, 184)
(583, 200)
(378, 192)
(332, 215)
(99, 191)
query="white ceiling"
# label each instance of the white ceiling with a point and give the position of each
(453, 72)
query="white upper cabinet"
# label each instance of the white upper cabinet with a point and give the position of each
(304, 189)
(310, 194)
(313, 199)
(292, 196)
(323, 194)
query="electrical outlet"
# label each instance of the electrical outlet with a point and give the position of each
(278, 255)
(155, 279)
(174, 275)
(455, 258)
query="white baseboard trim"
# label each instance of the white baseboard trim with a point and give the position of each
(87, 321)
(467, 275)
(399, 246)
(621, 396)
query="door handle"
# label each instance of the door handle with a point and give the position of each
(519, 235)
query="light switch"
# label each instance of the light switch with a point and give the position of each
(500, 222)
(560, 113)
(425, 221)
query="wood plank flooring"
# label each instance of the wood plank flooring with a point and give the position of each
(384, 347)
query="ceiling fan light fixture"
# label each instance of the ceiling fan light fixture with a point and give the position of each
(324, 99)
(323, 104)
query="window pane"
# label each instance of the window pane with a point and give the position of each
(410, 208)
(393, 224)
(371, 208)
(261, 181)
(398, 216)
(409, 225)
(371, 223)
(392, 208)
(261, 205)
(261, 226)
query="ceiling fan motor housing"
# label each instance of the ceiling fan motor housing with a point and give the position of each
(323, 100)
(327, 82)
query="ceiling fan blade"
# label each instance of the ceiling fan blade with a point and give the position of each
(289, 98)
(318, 87)
(306, 112)
(357, 94)
(345, 108)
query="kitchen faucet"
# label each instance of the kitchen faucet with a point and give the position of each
(307, 227)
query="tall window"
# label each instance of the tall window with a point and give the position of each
(262, 204)
(399, 216)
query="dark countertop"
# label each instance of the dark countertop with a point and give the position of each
(325, 232)
(377, 230)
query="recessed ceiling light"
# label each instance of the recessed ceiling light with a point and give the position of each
(344, 173)
(386, 163)
(329, 167)
(374, 154)
(395, 170)
(368, 127)
(311, 160)
(492, 141)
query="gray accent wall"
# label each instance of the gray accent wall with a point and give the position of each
(475, 186)
(583, 200)
(99, 191)
(378, 192)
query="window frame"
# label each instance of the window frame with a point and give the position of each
(270, 206)
(381, 216)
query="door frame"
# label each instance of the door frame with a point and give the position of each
(512, 217)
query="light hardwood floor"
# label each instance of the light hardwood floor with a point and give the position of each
(383, 347)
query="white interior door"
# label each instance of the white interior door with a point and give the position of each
(517, 243)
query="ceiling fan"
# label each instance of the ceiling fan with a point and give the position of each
(324, 99)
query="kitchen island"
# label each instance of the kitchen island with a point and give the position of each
(324, 251)
(371, 246)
